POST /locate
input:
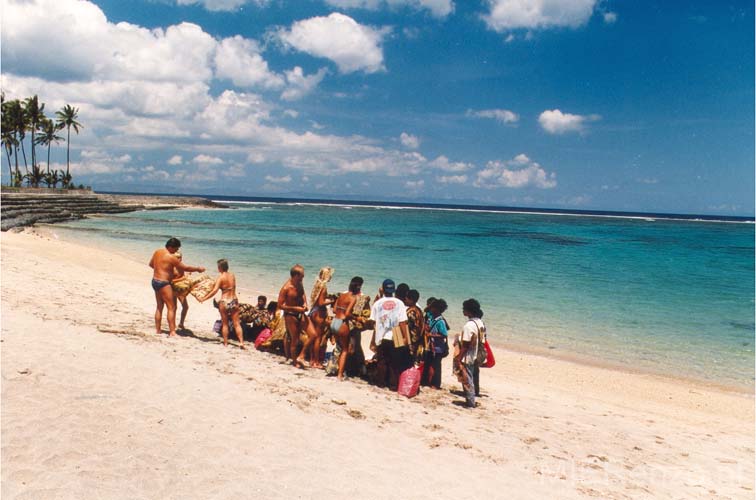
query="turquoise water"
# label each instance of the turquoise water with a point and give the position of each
(672, 297)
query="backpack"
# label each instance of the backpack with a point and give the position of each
(481, 353)
(439, 343)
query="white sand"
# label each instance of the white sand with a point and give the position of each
(95, 405)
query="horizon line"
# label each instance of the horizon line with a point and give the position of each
(454, 206)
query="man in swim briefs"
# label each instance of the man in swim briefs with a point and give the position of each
(163, 262)
(292, 300)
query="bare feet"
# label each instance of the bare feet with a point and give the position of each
(242, 347)
(172, 334)
(299, 363)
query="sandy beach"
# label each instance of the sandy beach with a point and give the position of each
(95, 405)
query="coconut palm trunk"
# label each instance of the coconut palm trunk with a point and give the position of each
(10, 166)
(67, 117)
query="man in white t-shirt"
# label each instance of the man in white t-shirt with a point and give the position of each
(469, 371)
(388, 313)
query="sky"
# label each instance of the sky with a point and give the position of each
(644, 106)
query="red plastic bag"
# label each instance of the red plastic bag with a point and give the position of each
(490, 361)
(262, 337)
(409, 381)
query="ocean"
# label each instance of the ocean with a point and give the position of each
(671, 296)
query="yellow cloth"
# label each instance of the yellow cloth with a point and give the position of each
(181, 286)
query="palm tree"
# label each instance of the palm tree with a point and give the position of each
(36, 115)
(67, 118)
(52, 178)
(47, 137)
(17, 126)
(8, 136)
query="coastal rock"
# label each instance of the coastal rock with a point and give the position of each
(23, 208)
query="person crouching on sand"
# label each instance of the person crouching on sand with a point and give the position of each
(228, 304)
(164, 263)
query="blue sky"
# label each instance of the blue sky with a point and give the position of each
(580, 104)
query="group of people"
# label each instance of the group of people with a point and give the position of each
(403, 334)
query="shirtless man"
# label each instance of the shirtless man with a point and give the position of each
(292, 300)
(163, 262)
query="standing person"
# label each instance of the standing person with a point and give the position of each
(415, 323)
(228, 305)
(319, 302)
(401, 291)
(427, 314)
(390, 316)
(472, 331)
(292, 300)
(163, 263)
(438, 344)
(342, 310)
(180, 293)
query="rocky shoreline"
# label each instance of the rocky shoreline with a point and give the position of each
(21, 208)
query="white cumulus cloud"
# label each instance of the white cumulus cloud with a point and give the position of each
(504, 15)
(501, 115)
(352, 46)
(610, 17)
(96, 162)
(443, 163)
(238, 59)
(439, 8)
(222, 5)
(175, 160)
(554, 121)
(414, 185)
(519, 172)
(452, 179)
(299, 84)
(409, 141)
(207, 160)
(278, 180)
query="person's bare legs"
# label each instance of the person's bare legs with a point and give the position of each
(306, 326)
(224, 323)
(317, 325)
(184, 310)
(343, 339)
(292, 327)
(158, 312)
(166, 295)
(287, 346)
(238, 328)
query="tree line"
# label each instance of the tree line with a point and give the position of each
(26, 118)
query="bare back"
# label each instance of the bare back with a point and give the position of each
(344, 305)
(227, 285)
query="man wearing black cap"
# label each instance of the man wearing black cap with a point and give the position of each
(391, 336)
